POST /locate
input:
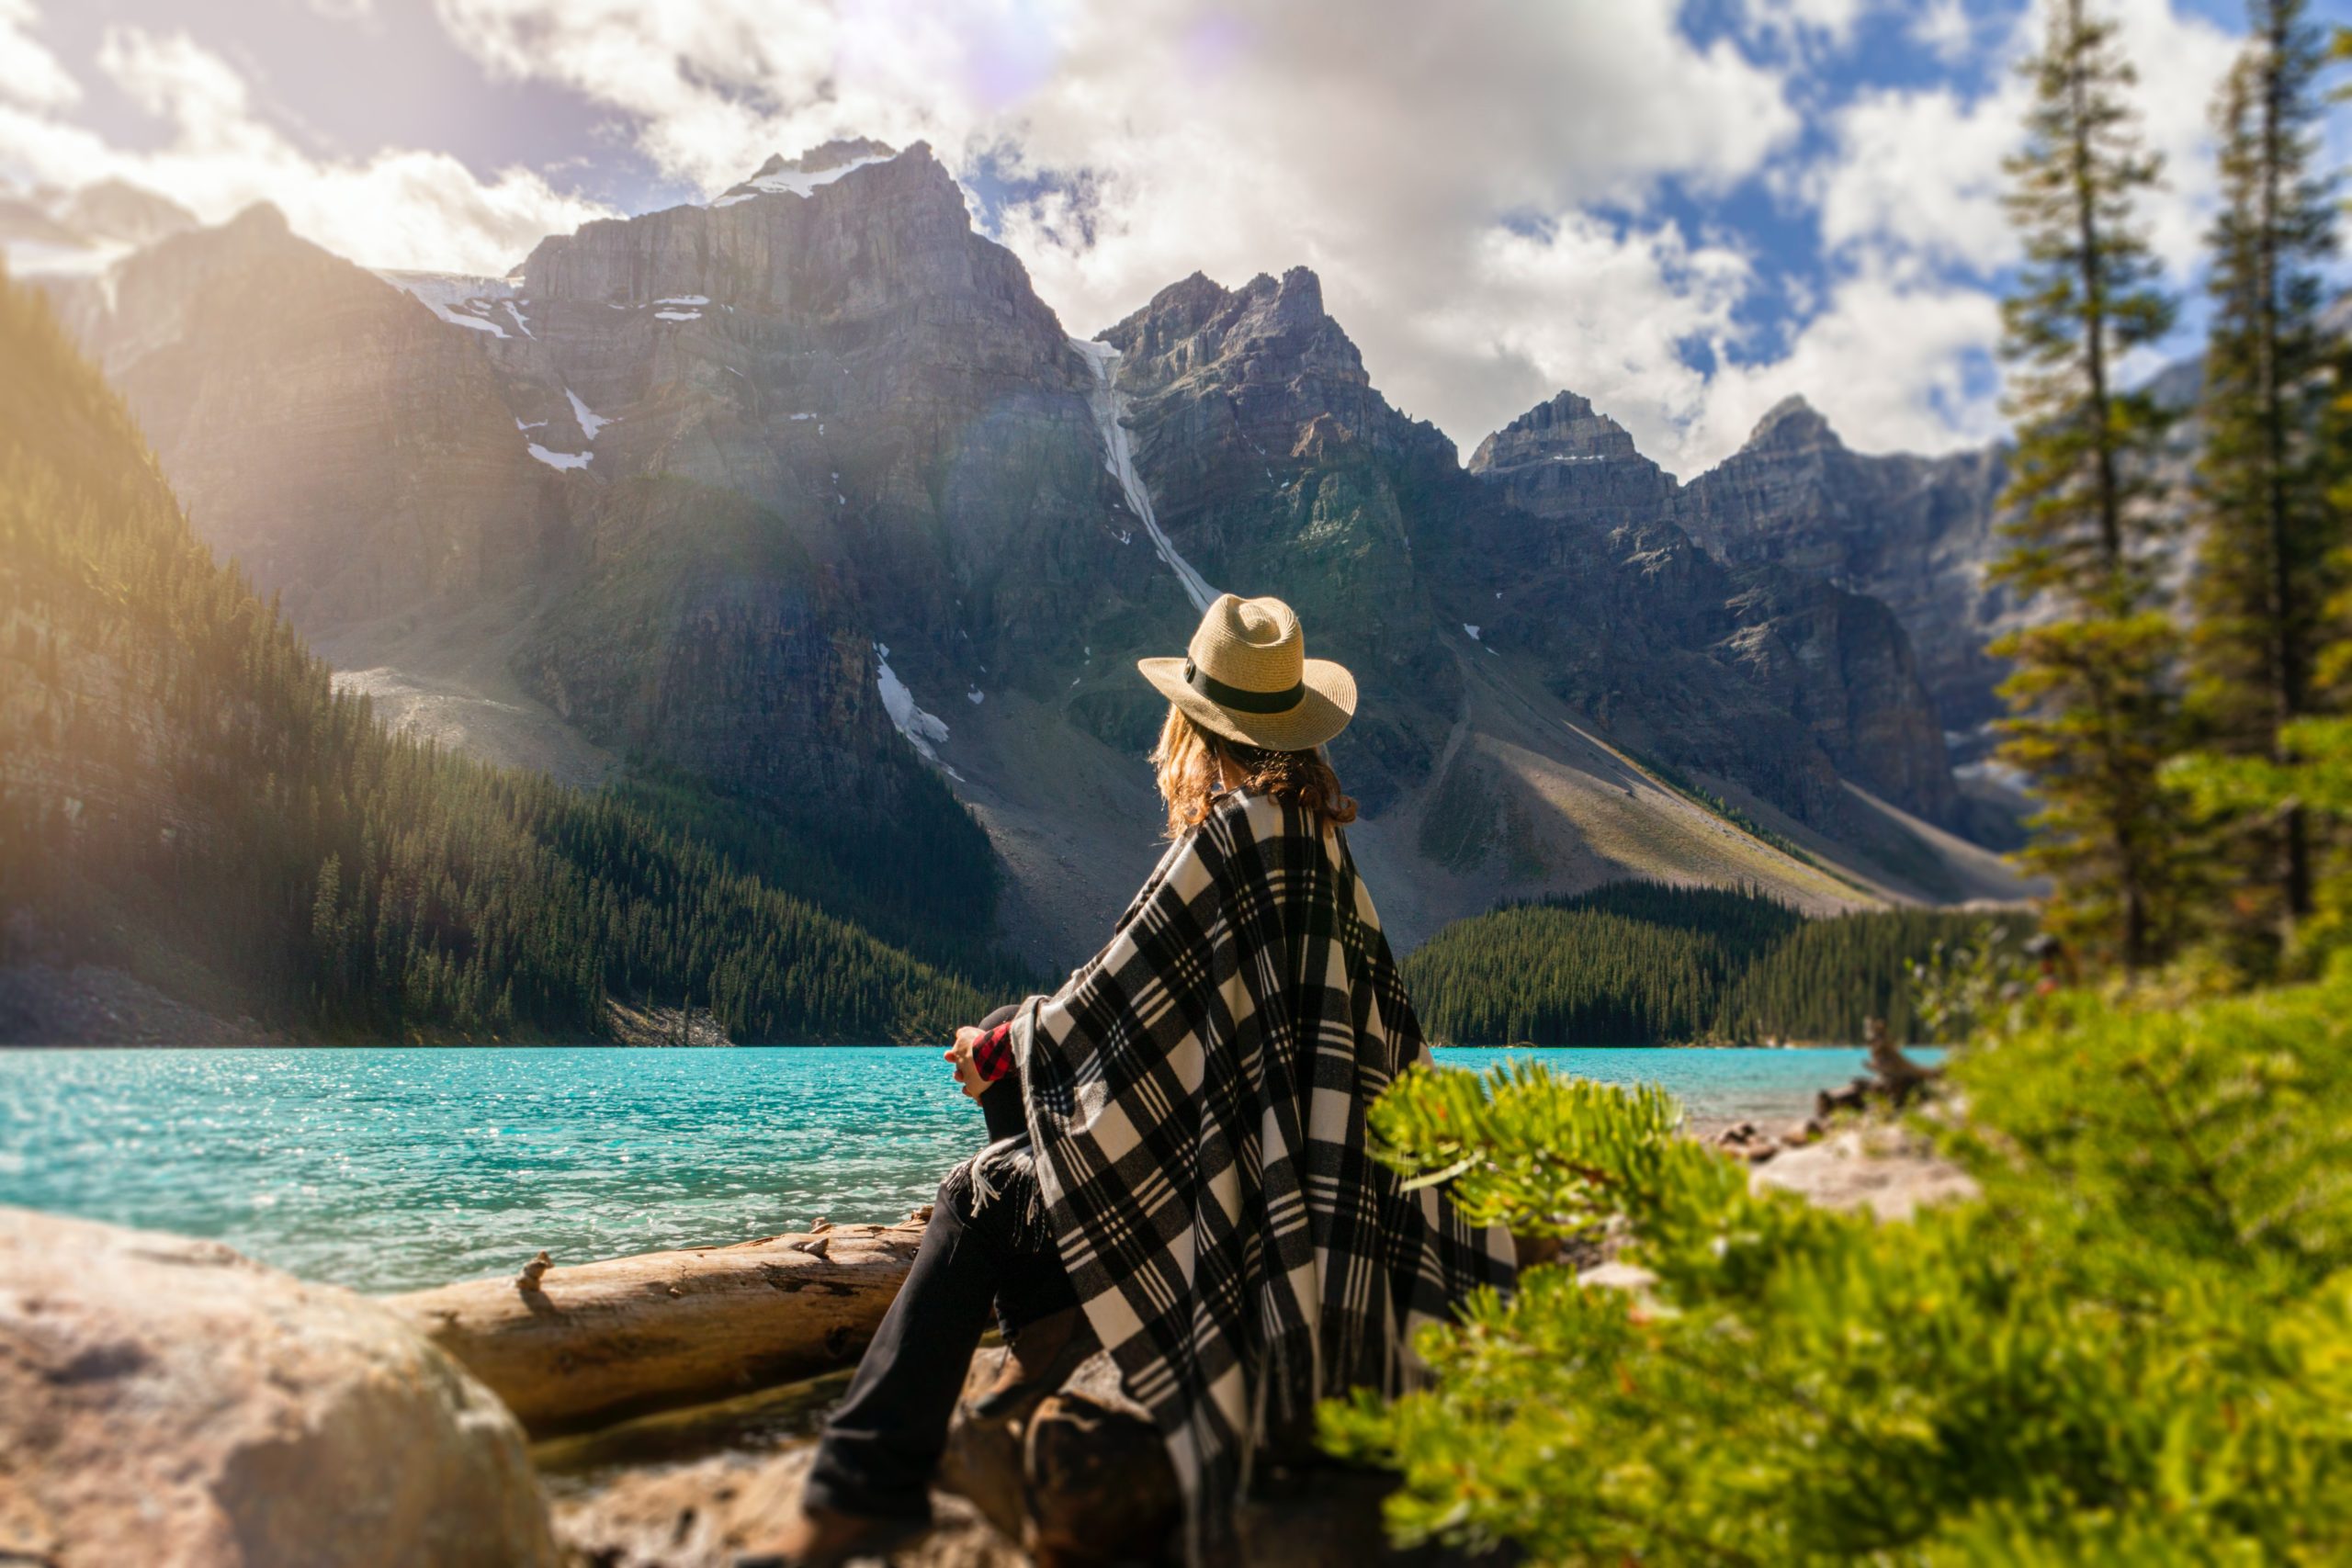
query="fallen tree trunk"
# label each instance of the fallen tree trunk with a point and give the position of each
(571, 1348)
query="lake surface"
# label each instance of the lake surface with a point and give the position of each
(392, 1170)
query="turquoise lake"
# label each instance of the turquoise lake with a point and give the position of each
(391, 1170)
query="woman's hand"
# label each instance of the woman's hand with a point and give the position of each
(967, 1071)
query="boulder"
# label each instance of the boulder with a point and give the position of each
(1889, 1170)
(165, 1401)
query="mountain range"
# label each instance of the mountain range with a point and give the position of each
(804, 502)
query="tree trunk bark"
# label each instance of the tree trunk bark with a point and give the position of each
(599, 1342)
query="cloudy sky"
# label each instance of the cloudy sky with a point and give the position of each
(1684, 211)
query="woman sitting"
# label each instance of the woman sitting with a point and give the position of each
(1180, 1174)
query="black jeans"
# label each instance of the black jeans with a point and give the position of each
(881, 1444)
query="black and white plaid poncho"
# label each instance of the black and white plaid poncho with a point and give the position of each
(1196, 1098)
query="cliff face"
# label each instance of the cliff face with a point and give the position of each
(1838, 663)
(703, 639)
(325, 430)
(1917, 534)
(852, 400)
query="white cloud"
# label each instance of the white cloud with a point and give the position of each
(1384, 153)
(1583, 306)
(1824, 22)
(1945, 28)
(1446, 169)
(1918, 172)
(1894, 360)
(29, 73)
(399, 208)
(1909, 207)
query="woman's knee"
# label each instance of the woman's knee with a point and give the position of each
(953, 1202)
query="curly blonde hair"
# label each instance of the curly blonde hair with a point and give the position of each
(1192, 761)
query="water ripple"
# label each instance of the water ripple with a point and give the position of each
(390, 1170)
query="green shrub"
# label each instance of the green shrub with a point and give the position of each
(2134, 1347)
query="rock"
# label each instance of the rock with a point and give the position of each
(1082, 1478)
(599, 1341)
(1618, 1275)
(701, 1514)
(1084, 1482)
(1746, 1140)
(1888, 1169)
(84, 1004)
(167, 1400)
(1081, 1481)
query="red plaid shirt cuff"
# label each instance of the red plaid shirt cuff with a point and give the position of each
(994, 1055)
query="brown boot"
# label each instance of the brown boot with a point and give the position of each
(828, 1537)
(1041, 1358)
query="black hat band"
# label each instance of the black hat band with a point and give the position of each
(1238, 699)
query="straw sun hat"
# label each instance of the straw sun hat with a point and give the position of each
(1247, 677)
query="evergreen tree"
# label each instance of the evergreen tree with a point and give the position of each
(2270, 533)
(2093, 717)
(1641, 962)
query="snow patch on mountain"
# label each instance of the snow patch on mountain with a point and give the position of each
(561, 459)
(923, 730)
(1110, 407)
(787, 180)
(458, 319)
(462, 299)
(590, 420)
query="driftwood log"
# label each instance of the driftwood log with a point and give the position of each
(568, 1348)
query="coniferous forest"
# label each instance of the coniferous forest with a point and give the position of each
(1643, 963)
(183, 794)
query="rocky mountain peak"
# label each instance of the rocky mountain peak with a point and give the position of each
(866, 227)
(261, 220)
(117, 210)
(1566, 459)
(1565, 429)
(820, 165)
(1298, 297)
(1269, 329)
(1792, 425)
(833, 154)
